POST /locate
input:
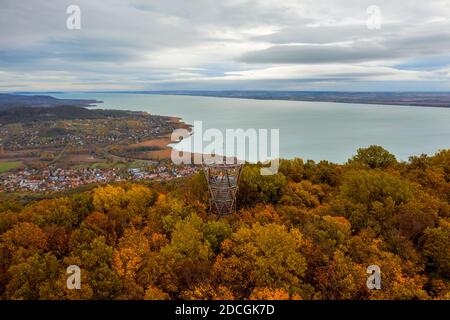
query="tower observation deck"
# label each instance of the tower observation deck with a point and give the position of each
(223, 181)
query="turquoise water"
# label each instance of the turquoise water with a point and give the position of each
(310, 130)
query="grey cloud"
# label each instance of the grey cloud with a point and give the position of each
(319, 35)
(375, 49)
(316, 54)
(120, 38)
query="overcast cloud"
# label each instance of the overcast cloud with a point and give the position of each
(233, 44)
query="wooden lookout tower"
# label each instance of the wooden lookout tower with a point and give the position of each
(223, 180)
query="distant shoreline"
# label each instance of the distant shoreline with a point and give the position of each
(413, 99)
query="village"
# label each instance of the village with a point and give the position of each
(58, 179)
(134, 128)
(65, 147)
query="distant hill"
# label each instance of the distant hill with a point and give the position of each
(65, 112)
(425, 99)
(8, 101)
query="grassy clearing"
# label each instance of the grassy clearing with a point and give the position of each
(8, 165)
(111, 165)
(108, 165)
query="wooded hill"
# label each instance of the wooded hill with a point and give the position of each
(63, 112)
(308, 232)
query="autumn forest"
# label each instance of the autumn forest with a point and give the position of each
(308, 232)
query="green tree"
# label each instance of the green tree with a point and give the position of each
(215, 232)
(27, 279)
(255, 188)
(373, 157)
(436, 248)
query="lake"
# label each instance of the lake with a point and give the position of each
(310, 130)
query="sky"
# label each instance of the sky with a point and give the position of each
(343, 45)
